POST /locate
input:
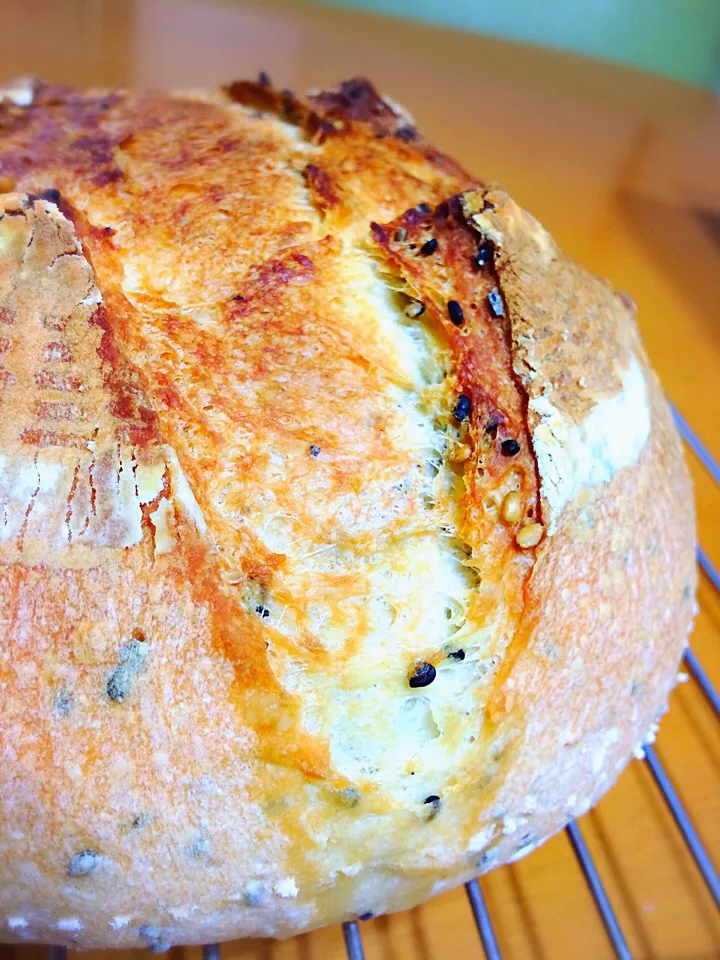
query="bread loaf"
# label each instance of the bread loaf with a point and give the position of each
(346, 542)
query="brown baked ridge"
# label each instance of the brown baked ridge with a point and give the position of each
(272, 655)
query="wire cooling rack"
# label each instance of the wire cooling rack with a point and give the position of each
(703, 862)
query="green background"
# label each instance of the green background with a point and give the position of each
(678, 38)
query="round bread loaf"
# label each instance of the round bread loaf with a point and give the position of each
(346, 542)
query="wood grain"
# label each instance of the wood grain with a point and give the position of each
(623, 168)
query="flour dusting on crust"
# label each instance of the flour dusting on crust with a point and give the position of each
(574, 455)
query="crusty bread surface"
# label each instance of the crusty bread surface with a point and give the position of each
(346, 541)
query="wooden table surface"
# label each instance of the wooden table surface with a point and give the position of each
(624, 168)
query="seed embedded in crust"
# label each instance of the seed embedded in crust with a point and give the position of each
(51, 195)
(423, 207)
(84, 864)
(348, 797)
(530, 535)
(407, 134)
(512, 508)
(430, 246)
(423, 675)
(455, 312)
(434, 800)
(510, 448)
(460, 453)
(155, 938)
(7, 184)
(492, 425)
(414, 309)
(496, 303)
(64, 704)
(484, 255)
(131, 660)
(314, 450)
(463, 408)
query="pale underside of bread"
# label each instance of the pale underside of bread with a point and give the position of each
(248, 493)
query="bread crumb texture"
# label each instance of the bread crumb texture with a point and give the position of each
(346, 545)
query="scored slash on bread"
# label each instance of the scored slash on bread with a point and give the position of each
(346, 544)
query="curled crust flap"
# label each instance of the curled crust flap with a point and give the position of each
(79, 479)
(575, 350)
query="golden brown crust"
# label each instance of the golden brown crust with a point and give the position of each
(259, 573)
(600, 583)
(568, 326)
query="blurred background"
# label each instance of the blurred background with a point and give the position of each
(603, 118)
(679, 38)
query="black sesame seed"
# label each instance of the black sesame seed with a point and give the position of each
(423, 675)
(51, 195)
(430, 246)
(434, 802)
(264, 79)
(406, 134)
(484, 255)
(238, 297)
(263, 611)
(366, 916)
(289, 106)
(400, 235)
(463, 408)
(424, 207)
(510, 448)
(492, 426)
(496, 303)
(314, 450)
(457, 655)
(455, 312)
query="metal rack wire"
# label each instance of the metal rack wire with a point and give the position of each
(705, 866)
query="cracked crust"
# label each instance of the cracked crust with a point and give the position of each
(576, 352)
(260, 582)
